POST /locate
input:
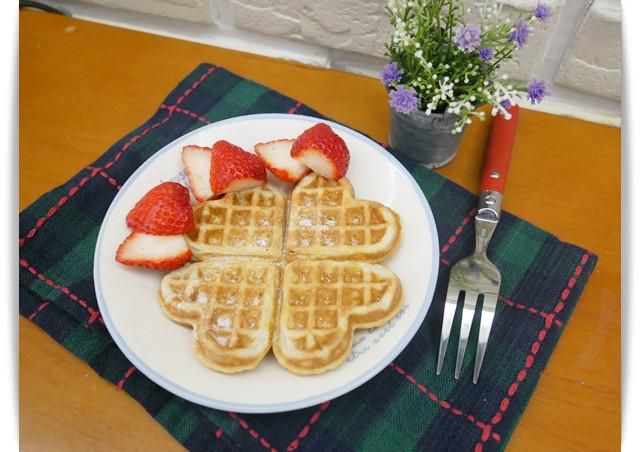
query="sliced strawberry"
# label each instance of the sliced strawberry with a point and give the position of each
(165, 252)
(276, 156)
(322, 150)
(233, 169)
(164, 210)
(197, 167)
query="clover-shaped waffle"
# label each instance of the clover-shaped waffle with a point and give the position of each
(329, 288)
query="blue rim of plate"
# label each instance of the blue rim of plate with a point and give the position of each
(301, 403)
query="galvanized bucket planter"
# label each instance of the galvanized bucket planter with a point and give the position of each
(427, 139)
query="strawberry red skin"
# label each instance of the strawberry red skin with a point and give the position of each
(323, 139)
(230, 163)
(164, 210)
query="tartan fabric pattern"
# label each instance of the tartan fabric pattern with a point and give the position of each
(405, 407)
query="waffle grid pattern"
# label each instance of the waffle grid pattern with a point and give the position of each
(230, 299)
(327, 222)
(242, 223)
(319, 295)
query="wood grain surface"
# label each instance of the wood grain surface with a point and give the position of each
(84, 85)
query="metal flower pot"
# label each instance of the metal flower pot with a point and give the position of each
(427, 139)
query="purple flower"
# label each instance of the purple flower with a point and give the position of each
(391, 73)
(537, 89)
(486, 53)
(403, 100)
(506, 104)
(468, 37)
(542, 11)
(521, 33)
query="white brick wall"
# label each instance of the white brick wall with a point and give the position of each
(592, 63)
(577, 51)
(354, 25)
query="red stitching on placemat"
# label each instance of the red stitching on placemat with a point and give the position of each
(127, 374)
(531, 309)
(73, 190)
(295, 107)
(535, 348)
(184, 111)
(457, 232)
(305, 430)
(94, 170)
(41, 221)
(189, 90)
(61, 202)
(38, 309)
(93, 314)
(251, 431)
(434, 398)
(135, 139)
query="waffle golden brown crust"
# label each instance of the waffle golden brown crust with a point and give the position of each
(231, 306)
(323, 302)
(326, 222)
(245, 223)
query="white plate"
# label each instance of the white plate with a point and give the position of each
(161, 349)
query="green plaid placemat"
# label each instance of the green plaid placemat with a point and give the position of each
(406, 406)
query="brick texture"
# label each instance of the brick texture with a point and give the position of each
(592, 63)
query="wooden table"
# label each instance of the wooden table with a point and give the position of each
(84, 85)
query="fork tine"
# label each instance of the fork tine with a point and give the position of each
(450, 305)
(470, 299)
(486, 320)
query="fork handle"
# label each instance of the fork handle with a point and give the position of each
(498, 155)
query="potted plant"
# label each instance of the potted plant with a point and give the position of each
(444, 66)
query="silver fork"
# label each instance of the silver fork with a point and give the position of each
(476, 275)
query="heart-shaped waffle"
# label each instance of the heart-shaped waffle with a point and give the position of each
(230, 304)
(326, 222)
(323, 302)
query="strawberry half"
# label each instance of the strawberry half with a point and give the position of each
(164, 252)
(276, 156)
(197, 167)
(322, 150)
(164, 210)
(233, 169)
